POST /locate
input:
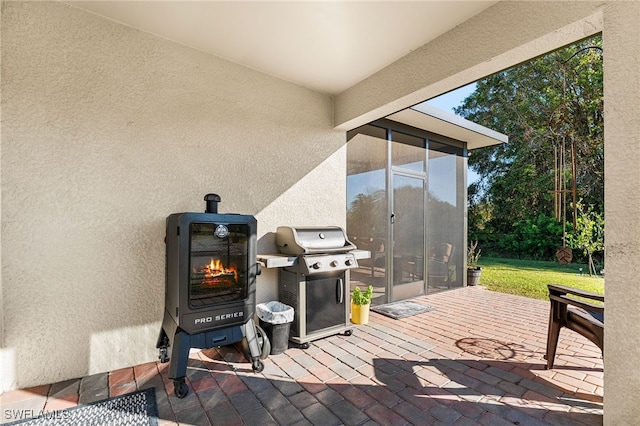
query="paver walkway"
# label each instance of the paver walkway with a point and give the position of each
(477, 359)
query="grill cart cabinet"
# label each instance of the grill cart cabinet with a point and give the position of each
(314, 279)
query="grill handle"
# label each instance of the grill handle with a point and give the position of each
(340, 291)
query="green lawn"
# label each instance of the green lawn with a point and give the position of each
(530, 278)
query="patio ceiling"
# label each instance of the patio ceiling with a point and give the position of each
(326, 46)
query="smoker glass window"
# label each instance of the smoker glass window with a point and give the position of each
(218, 266)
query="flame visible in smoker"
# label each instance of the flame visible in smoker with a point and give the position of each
(214, 271)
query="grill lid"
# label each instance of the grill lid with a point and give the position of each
(312, 240)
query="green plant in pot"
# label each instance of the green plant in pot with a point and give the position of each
(360, 303)
(473, 270)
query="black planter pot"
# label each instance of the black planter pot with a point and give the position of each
(473, 276)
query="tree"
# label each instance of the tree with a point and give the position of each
(535, 238)
(588, 235)
(367, 216)
(540, 104)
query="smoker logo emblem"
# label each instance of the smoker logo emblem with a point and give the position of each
(220, 317)
(222, 231)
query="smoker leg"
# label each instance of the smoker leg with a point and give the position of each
(162, 345)
(249, 332)
(179, 361)
(179, 355)
(162, 355)
(163, 339)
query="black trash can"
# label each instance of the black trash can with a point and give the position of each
(275, 319)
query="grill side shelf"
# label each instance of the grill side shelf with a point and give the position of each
(277, 260)
(285, 261)
(361, 254)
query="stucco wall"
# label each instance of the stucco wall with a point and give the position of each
(621, 44)
(106, 130)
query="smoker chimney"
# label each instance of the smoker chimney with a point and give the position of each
(212, 203)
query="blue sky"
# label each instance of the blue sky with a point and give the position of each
(452, 99)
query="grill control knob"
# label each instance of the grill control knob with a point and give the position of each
(317, 265)
(334, 263)
(348, 262)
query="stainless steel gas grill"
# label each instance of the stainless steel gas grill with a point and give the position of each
(313, 278)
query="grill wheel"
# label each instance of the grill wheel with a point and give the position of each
(180, 388)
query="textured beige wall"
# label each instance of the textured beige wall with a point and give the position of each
(621, 43)
(106, 130)
(5, 373)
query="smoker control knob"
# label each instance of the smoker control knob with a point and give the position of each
(348, 262)
(334, 263)
(317, 265)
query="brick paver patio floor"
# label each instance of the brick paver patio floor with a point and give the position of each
(477, 359)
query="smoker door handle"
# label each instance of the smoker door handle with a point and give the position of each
(340, 291)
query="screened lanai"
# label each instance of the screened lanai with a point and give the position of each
(406, 200)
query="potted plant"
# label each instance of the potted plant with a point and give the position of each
(473, 270)
(360, 303)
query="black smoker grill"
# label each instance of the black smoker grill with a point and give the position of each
(210, 284)
(314, 279)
